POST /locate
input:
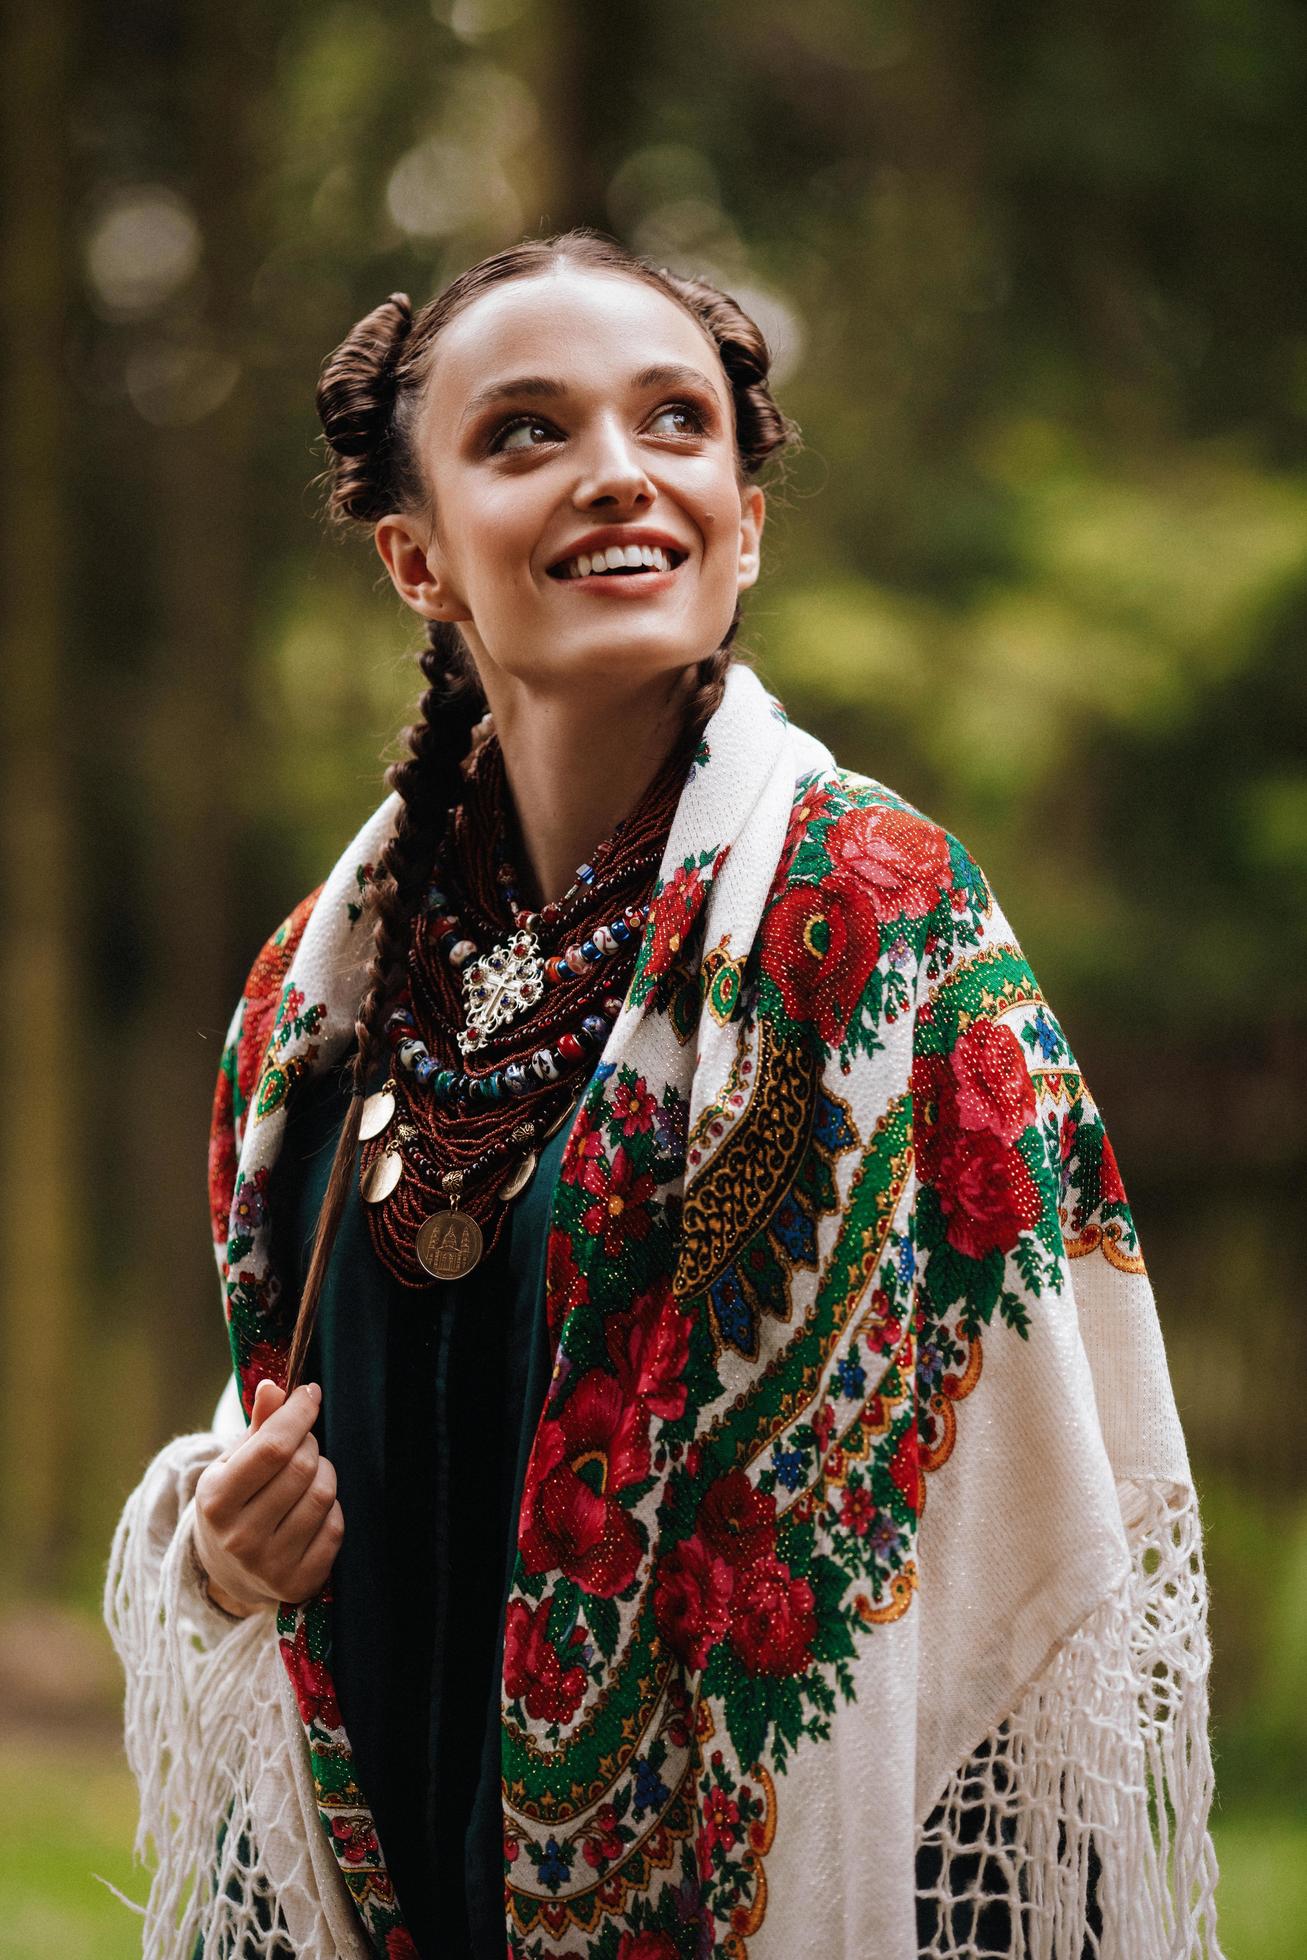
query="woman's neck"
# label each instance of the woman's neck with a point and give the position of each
(576, 765)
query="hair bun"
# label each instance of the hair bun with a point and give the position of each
(355, 398)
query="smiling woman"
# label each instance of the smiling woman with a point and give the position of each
(642, 1173)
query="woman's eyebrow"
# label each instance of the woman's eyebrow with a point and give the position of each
(541, 387)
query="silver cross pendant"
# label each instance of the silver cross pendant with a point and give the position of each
(498, 987)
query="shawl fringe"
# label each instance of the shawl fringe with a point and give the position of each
(1107, 1748)
(222, 1810)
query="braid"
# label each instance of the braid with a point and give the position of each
(368, 396)
(428, 782)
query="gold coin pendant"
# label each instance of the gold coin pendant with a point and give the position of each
(380, 1180)
(377, 1112)
(564, 1116)
(448, 1244)
(519, 1177)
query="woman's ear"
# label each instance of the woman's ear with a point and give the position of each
(415, 572)
(753, 510)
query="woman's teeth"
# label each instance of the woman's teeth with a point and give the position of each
(617, 558)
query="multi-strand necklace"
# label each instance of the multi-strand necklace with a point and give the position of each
(503, 1014)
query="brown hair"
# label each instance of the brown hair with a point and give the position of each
(368, 398)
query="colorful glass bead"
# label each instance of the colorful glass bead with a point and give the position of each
(596, 1027)
(570, 1049)
(544, 1065)
(576, 960)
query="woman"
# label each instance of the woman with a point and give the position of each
(589, 1444)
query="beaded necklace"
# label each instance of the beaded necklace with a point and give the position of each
(503, 1011)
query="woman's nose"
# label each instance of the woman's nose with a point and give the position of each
(613, 472)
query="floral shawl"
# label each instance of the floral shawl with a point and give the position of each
(858, 1563)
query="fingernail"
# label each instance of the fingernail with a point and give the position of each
(311, 1388)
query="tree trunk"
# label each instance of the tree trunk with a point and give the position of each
(41, 1167)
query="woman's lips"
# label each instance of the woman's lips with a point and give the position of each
(623, 585)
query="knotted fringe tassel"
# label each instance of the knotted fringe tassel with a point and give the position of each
(202, 1725)
(1078, 1829)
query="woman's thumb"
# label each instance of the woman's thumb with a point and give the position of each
(267, 1398)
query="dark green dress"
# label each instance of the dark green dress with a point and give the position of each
(430, 1402)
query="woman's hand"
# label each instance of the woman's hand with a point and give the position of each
(267, 1523)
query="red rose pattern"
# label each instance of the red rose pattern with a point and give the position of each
(315, 1693)
(1111, 1189)
(737, 1520)
(725, 1580)
(572, 1518)
(969, 1108)
(692, 1596)
(987, 1195)
(533, 1671)
(649, 1348)
(773, 1619)
(992, 1085)
(566, 1286)
(646, 1946)
(672, 914)
(820, 945)
(899, 860)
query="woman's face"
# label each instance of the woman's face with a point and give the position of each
(566, 413)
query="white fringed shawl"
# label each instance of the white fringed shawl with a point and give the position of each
(949, 1635)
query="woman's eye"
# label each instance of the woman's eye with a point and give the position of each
(691, 417)
(519, 425)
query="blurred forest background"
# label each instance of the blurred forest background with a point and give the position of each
(1033, 280)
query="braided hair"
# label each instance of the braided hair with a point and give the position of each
(369, 396)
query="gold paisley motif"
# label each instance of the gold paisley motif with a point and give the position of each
(1107, 1240)
(742, 1186)
(746, 1920)
(901, 1588)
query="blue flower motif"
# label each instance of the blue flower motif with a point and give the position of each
(789, 1468)
(930, 1367)
(650, 1790)
(852, 1377)
(1046, 1035)
(554, 1866)
(883, 1537)
(907, 1261)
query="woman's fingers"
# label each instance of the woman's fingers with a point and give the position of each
(267, 1397)
(257, 1520)
(311, 1569)
(229, 1484)
(267, 1521)
(301, 1524)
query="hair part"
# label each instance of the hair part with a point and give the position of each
(369, 399)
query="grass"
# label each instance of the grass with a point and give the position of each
(71, 1815)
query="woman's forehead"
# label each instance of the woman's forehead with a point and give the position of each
(578, 327)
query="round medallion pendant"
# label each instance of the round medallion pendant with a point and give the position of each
(448, 1244)
(380, 1181)
(377, 1112)
(518, 1178)
(564, 1116)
